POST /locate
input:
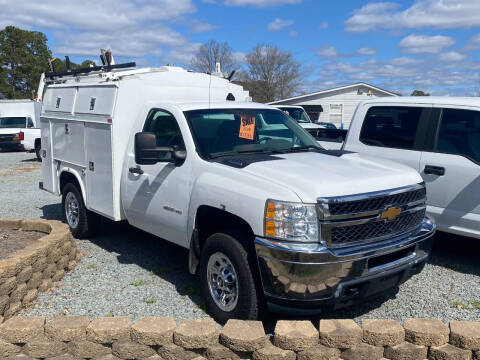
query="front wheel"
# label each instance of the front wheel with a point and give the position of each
(227, 280)
(82, 222)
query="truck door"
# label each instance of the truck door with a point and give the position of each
(156, 197)
(452, 171)
(392, 132)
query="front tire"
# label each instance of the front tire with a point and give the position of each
(82, 222)
(227, 281)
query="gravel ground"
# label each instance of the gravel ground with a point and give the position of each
(128, 272)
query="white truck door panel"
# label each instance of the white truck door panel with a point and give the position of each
(157, 200)
(390, 131)
(99, 171)
(68, 140)
(453, 198)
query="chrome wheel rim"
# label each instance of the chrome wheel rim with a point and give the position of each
(72, 210)
(222, 281)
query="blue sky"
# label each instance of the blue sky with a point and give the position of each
(401, 45)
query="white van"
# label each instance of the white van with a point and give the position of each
(15, 116)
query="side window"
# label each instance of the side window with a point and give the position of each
(459, 133)
(165, 126)
(394, 127)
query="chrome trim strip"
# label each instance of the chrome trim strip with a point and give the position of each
(323, 202)
(393, 263)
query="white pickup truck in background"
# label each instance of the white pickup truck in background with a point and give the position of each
(437, 136)
(17, 116)
(269, 217)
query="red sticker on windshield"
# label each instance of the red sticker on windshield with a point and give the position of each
(247, 127)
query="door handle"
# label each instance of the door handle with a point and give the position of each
(136, 170)
(434, 170)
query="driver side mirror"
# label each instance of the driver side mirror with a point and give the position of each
(148, 153)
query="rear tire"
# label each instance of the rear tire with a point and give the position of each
(82, 222)
(38, 151)
(227, 281)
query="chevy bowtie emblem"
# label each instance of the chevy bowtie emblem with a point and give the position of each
(391, 213)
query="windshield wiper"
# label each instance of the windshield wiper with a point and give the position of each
(241, 152)
(298, 148)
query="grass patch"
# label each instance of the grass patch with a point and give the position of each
(151, 301)
(138, 283)
(91, 266)
(472, 305)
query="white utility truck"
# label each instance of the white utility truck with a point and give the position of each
(17, 116)
(437, 136)
(268, 216)
(299, 114)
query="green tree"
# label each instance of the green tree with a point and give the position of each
(23, 57)
(419, 93)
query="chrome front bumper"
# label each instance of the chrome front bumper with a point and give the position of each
(309, 277)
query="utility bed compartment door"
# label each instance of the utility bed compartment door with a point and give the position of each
(98, 148)
(59, 100)
(47, 161)
(95, 100)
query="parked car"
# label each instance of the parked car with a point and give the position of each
(298, 114)
(437, 136)
(31, 141)
(269, 217)
(327, 125)
(15, 116)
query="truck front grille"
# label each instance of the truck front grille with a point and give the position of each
(344, 235)
(376, 202)
(365, 218)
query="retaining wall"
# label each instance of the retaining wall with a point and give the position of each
(25, 273)
(107, 338)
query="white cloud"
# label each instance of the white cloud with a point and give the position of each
(423, 44)
(293, 34)
(260, 3)
(131, 28)
(328, 52)
(323, 25)
(473, 43)
(452, 56)
(366, 51)
(198, 26)
(279, 24)
(440, 14)
(404, 74)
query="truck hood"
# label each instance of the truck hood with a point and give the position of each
(311, 175)
(8, 131)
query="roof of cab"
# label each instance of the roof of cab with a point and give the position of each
(222, 105)
(428, 100)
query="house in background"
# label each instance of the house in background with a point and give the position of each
(336, 105)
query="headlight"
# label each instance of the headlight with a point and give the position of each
(291, 221)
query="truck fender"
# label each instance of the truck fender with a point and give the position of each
(77, 176)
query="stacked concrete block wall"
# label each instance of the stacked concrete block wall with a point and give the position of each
(109, 338)
(33, 269)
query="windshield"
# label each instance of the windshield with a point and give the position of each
(222, 132)
(297, 114)
(13, 122)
